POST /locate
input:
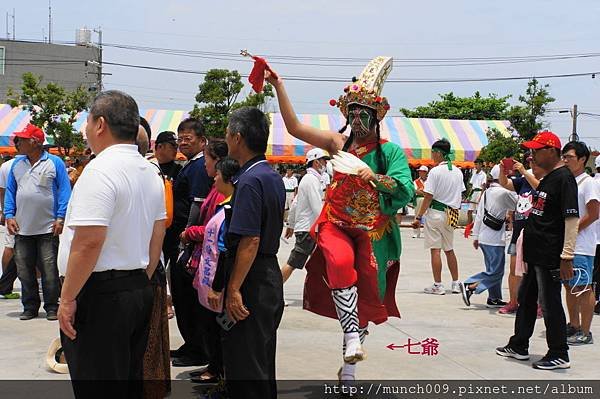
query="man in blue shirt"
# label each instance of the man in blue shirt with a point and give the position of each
(189, 190)
(37, 193)
(254, 289)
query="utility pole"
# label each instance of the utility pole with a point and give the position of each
(574, 135)
(14, 37)
(7, 30)
(49, 21)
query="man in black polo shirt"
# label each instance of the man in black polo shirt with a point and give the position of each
(191, 185)
(548, 249)
(254, 293)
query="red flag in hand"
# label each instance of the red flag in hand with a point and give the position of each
(468, 229)
(257, 76)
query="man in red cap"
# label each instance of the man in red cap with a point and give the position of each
(548, 249)
(37, 193)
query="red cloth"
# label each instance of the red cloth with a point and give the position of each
(320, 280)
(468, 229)
(257, 76)
(207, 210)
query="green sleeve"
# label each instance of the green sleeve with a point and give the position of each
(396, 187)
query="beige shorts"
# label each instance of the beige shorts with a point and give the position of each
(9, 240)
(475, 197)
(438, 235)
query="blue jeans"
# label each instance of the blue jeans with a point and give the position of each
(491, 278)
(38, 251)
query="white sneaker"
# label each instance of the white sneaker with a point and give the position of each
(435, 289)
(456, 287)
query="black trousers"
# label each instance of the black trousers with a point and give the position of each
(538, 285)
(112, 322)
(192, 318)
(8, 278)
(249, 347)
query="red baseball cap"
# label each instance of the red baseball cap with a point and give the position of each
(543, 139)
(31, 132)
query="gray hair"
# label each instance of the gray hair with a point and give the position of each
(252, 124)
(120, 112)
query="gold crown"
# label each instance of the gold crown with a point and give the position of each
(366, 89)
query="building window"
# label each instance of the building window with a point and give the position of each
(2, 51)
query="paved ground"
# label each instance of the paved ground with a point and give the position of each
(309, 345)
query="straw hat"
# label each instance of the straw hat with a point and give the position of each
(55, 358)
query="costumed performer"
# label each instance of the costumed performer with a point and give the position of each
(353, 272)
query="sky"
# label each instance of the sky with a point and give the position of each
(349, 29)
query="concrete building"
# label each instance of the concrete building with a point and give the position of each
(66, 65)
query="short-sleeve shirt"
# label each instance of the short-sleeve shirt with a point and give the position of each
(121, 190)
(587, 190)
(4, 169)
(192, 182)
(290, 183)
(544, 235)
(257, 206)
(478, 180)
(446, 186)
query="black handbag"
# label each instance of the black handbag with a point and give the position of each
(489, 220)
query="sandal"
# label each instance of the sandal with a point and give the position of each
(206, 378)
(170, 311)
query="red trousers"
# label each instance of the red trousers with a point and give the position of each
(344, 250)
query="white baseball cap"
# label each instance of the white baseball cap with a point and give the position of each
(423, 168)
(315, 153)
(495, 172)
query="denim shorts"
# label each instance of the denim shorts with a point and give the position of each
(583, 270)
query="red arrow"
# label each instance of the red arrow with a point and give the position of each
(392, 346)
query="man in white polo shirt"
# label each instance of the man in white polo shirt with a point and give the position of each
(442, 199)
(111, 243)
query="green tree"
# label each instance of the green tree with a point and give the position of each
(527, 118)
(217, 96)
(53, 109)
(499, 146)
(450, 106)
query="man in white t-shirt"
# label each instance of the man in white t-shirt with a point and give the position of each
(291, 187)
(9, 267)
(443, 194)
(579, 290)
(111, 244)
(477, 185)
(306, 207)
(495, 202)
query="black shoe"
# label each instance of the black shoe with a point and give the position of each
(507, 351)
(551, 363)
(495, 303)
(186, 361)
(597, 308)
(28, 315)
(51, 315)
(466, 294)
(571, 330)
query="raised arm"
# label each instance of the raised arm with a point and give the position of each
(328, 140)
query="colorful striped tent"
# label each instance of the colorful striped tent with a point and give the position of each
(413, 134)
(14, 119)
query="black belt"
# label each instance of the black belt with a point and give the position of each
(115, 274)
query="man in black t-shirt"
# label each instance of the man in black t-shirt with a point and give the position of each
(548, 249)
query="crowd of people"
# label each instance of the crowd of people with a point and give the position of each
(134, 234)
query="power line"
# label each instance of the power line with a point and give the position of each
(345, 80)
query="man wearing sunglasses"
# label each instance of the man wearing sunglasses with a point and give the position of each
(37, 193)
(548, 249)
